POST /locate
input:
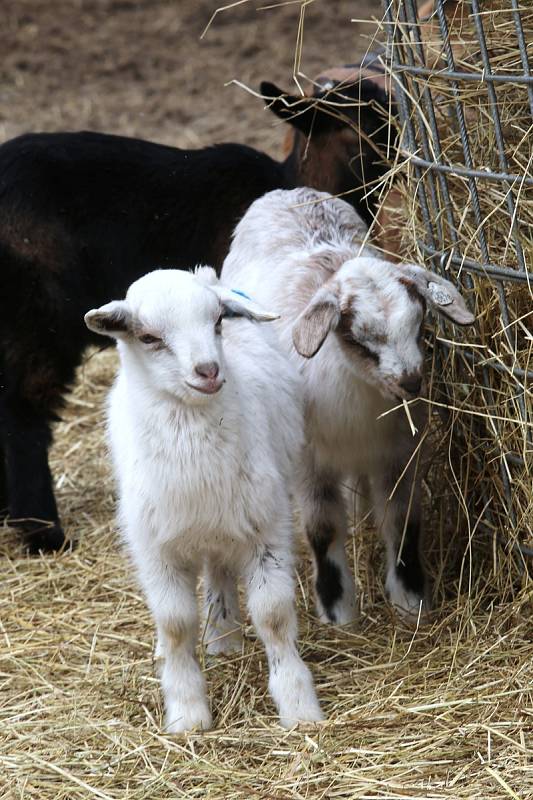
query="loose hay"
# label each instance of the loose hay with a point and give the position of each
(445, 711)
(441, 712)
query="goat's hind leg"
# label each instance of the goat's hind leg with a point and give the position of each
(221, 609)
(4, 496)
(326, 526)
(397, 509)
(32, 387)
(32, 505)
(4, 501)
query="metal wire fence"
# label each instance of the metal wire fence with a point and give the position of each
(464, 89)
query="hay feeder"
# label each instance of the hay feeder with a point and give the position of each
(464, 85)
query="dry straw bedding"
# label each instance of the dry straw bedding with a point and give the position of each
(444, 711)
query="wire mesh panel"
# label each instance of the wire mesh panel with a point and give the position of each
(462, 77)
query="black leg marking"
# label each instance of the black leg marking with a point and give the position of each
(327, 493)
(328, 575)
(409, 569)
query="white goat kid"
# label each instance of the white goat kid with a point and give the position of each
(205, 421)
(353, 323)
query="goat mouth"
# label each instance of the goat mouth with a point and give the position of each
(209, 387)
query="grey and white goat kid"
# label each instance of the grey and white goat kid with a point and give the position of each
(205, 422)
(353, 323)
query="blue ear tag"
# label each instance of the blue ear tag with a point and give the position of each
(242, 294)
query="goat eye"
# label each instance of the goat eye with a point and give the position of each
(147, 338)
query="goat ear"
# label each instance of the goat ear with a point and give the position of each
(313, 115)
(238, 304)
(440, 294)
(303, 113)
(114, 319)
(315, 322)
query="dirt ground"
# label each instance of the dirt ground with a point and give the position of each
(141, 68)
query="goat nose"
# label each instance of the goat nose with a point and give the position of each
(412, 384)
(208, 369)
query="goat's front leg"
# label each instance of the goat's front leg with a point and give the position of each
(397, 510)
(221, 609)
(271, 602)
(171, 593)
(4, 503)
(326, 526)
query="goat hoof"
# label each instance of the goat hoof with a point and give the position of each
(305, 717)
(411, 606)
(225, 645)
(47, 540)
(195, 716)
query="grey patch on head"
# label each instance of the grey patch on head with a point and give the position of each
(439, 295)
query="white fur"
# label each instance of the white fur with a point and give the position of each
(301, 250)
(204, 481)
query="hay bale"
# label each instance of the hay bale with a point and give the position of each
(478, 231)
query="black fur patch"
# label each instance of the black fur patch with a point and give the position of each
(409, 569)
(328, 581)
(329, 585)
(327, 493)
